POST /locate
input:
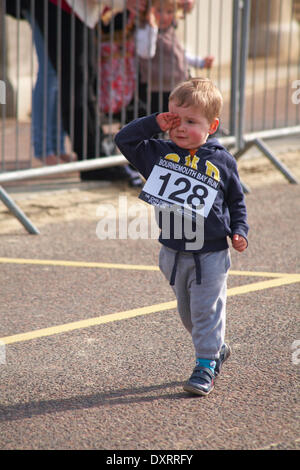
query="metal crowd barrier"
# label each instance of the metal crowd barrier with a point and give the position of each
(256, 50)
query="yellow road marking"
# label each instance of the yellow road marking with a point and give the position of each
(77, 264)
(138, 267)
(88, 322)
(255, 286)
(262, 274)
(138, 312)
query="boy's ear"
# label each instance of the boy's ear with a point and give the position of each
(214, 126)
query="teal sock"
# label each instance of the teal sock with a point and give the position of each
(208, 363)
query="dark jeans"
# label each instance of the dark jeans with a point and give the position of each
(77, 74)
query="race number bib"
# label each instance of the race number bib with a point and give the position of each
(171, 183)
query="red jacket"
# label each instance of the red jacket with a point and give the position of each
(63, 4)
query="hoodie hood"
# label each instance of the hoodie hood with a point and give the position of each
(213, 144)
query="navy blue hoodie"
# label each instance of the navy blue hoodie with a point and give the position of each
(228, 214)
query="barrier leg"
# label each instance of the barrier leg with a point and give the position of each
(278, 164)
(267, 152)
(17, 212)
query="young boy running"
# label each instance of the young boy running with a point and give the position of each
(199, 176)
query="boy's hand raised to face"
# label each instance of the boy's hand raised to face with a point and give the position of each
(167, 121)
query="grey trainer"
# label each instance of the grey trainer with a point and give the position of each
(201, 381)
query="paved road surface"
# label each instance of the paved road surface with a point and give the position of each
(115, 381)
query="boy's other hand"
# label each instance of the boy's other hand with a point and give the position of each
(167, 121)
(239, 243)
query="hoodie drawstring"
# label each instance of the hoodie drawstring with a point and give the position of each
(173, 275)
(197, 266)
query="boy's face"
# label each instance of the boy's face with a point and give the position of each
(164, 15)
(194, 127)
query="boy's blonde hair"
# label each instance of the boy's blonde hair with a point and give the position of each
(199, 92)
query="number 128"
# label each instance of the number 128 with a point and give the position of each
(199, 192)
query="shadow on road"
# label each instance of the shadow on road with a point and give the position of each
(123, 396)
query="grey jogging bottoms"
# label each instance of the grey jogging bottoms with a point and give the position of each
(202, 307)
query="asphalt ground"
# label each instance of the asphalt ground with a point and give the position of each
(113, 380)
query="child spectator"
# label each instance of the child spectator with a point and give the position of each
(158, 41)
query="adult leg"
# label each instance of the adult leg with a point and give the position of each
(73, 59)
(44, 110)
